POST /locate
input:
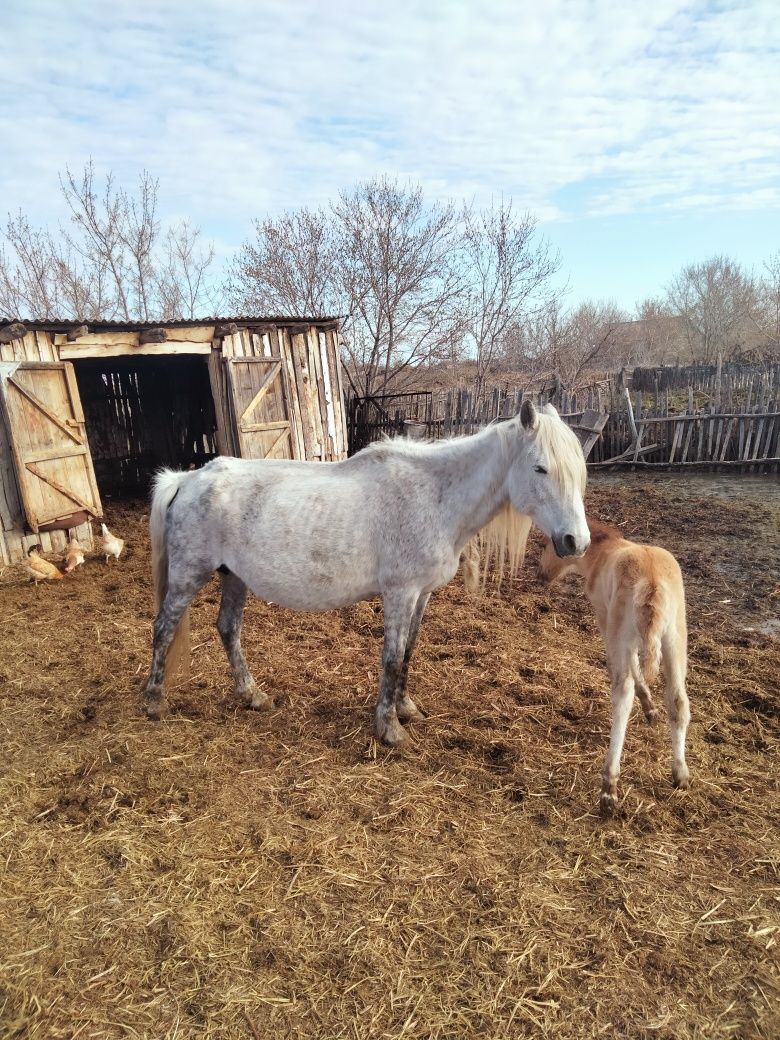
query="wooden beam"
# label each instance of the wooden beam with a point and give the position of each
(152, 336)
(74, 334)
(67, 492)
(47, 454)
(280, 424)
(11, 332)
(191, 334)
(100, 339)
(230, 329)
(278, 440)
(72, 352)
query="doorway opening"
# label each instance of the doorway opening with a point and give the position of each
(145, 412)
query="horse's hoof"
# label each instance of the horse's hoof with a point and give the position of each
(390, 732)
(652, 716)
(259, 701)
(681, 779)
(408, 711)
(607, 805)
(155, 710)
(412, 716)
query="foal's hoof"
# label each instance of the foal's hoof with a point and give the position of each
(390, 732)
(652, 716)
(681, 779)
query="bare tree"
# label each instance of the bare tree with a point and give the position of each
(715, 299)
(182, 282)
(657, 334)
(109, 262)
(769, 313)
(568, 343)
(290, 268)
(593, 340)
(399, 273)
(29, 281)
(507, 271)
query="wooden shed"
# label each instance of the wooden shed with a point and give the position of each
(89, 412)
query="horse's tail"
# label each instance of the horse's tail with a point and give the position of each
(649, 610)
(166, 485)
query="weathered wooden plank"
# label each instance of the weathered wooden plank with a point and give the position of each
(678, 426)
(71, 431)
(270, 375)
(75, 351)
(218, 394)
(302, 384)
(726, 438)
(277, 424)
(191, 334)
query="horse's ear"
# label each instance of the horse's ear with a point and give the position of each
(529, 416)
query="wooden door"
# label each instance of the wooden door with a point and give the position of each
(45, 423)
(260, 405)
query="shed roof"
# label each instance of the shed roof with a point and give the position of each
(242, 320)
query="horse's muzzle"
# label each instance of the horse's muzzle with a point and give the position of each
(567, 545)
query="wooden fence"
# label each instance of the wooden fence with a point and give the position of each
(727, 419)
(433, 414)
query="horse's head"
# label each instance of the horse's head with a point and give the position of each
(547, 479)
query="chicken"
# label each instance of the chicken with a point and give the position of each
(74, 556)
(40, 569)
(112, 545)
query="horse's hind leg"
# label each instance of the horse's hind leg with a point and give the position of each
(399, 606)
(405, 707)
(174, 605)
(231, 611)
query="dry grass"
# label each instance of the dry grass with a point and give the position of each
(226, 874)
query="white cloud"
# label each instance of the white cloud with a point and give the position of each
(242, 107)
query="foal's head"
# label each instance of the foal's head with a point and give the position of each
(547, 479)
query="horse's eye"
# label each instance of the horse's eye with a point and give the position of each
(540, 469)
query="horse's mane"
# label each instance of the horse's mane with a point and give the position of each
(564, 453)
(502, 542)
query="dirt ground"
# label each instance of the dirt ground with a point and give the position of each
(230, 874)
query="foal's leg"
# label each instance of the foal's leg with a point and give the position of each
(673, 663)
(643, 691)
(405, 707)
(622, 702)
(231, 610)
(175, 603)
(399, 606)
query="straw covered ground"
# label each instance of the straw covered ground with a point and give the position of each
(225, 874)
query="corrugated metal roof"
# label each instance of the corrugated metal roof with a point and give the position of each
(63, 324)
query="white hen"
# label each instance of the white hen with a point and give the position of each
(112, 545)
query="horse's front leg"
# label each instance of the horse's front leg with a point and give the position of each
(399, 607)
(231, 612)
(405, 707)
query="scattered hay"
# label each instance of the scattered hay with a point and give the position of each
(226, 874)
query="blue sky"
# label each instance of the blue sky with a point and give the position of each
(643, 136)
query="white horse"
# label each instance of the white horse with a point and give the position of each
(391, 521)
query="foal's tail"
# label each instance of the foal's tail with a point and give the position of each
(166, 485)
(651, 620)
